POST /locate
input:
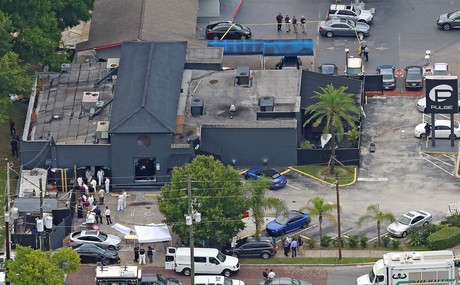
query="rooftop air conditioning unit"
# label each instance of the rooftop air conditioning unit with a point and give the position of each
(242, 75)
(197, 107)
(102, 130)
(89, 100)
(267, 104)
(65, 68)
(112, 63)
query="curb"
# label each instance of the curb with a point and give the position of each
(323, 181)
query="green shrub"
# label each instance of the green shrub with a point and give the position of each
(335, 241)
(395, 243)
(452, 221)
(353, 241)
(311, 243)
(444, 238)
(419, 236)
(353, 136)
(363, 241)
(325, 241)
(386, 241)
(307, 145)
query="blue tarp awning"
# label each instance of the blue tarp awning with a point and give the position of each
(303, 47)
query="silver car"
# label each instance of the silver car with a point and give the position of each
(95, 237)
(449, 21)
(284, 281)
(408, 222)
(343, 27)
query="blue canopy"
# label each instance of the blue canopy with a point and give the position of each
(303, 47)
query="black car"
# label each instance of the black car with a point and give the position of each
(388, 74)
(289, 62)
(157, 279)
(264, 247)
(414, 77)
(91, 253)
(217, 31)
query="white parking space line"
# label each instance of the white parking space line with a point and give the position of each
(375, 238)
(430, 159)
(133, 211)
(293, 187)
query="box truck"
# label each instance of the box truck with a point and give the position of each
(424, 267)
(132, 275)
(207, 261)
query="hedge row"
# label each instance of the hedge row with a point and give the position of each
(446, 237)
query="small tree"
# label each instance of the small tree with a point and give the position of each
(374, 213)
(255, 191)
(36, 267)
(318, 207)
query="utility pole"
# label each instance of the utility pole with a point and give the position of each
(42, 234)
(191, 214)
(339, 238)
(7, 216)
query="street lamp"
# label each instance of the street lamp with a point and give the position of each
(193, 215)
(347, 51)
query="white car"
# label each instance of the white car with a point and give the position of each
(442, 130)
(421, 104)
(409, 221)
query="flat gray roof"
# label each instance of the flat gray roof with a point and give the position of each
(62, 111)
(218, 91)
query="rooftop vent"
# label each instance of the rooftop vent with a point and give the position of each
(242, 75)
(102, 130)
(197, 107)
(267, 104)
(89, 100)
(112, 63)
(65, 68)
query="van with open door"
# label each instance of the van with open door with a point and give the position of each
(207, 261)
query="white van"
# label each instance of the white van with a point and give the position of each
(207, 261)
(355, 66)
(216, 280)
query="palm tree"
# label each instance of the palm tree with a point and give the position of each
(257, 202)
(318, 207)
(374, 213)
(333, 108)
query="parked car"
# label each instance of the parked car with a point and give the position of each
(442, 130)
(288, 222)
(343, 27)
(328, 69)
(414, 77)
(95, 237)
(91, 253)
(421, 104)
(408, 222)
(355, 66)
(285, 281)
(388, 73)
(350, 12)
(216, 280)
(158, 279)
(449, 21)
(235, 31)
(264, 247)
(278, 180)
(289, 62)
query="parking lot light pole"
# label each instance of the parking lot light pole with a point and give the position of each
(193, 215)
(347, 51)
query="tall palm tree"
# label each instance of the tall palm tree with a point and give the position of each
(374, 213)
(318, 207)
(333, 108)
(255, 191)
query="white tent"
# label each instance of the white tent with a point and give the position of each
(152, 233)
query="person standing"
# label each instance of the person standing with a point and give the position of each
(294, 248)
(303, 23)
(107, 185)
(120, 203)
(136, 253)
(271, 275)
(93, 184)
(88, 175)
(265, 274)
(80, 181)
(100, 176)
(142, 256)
(289, 240)
(101, 195)
(279, 20)
(300, 244)
(107, 215)
(294, 24)
(366, 53)
(12, 128)
(362, 45)
(14, 147)
(150, 254)
(287, 22)
(125, 197)
(97, 211)
(286, 247)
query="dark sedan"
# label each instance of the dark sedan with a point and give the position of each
(414, 77)
(343, 27)
(449, 21)
(277, 180)
(91, 253)
(388, 73)
(288, 222)
(227, 31)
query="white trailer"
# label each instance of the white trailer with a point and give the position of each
(424, 267)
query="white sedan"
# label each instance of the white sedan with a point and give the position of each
(421, 104)
(409, 221)
(442, 130)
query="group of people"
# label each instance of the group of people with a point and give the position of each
(294, 22)
(268, 275)
(293, 245)
(121, 203)
(139, 254)
(364, 49)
